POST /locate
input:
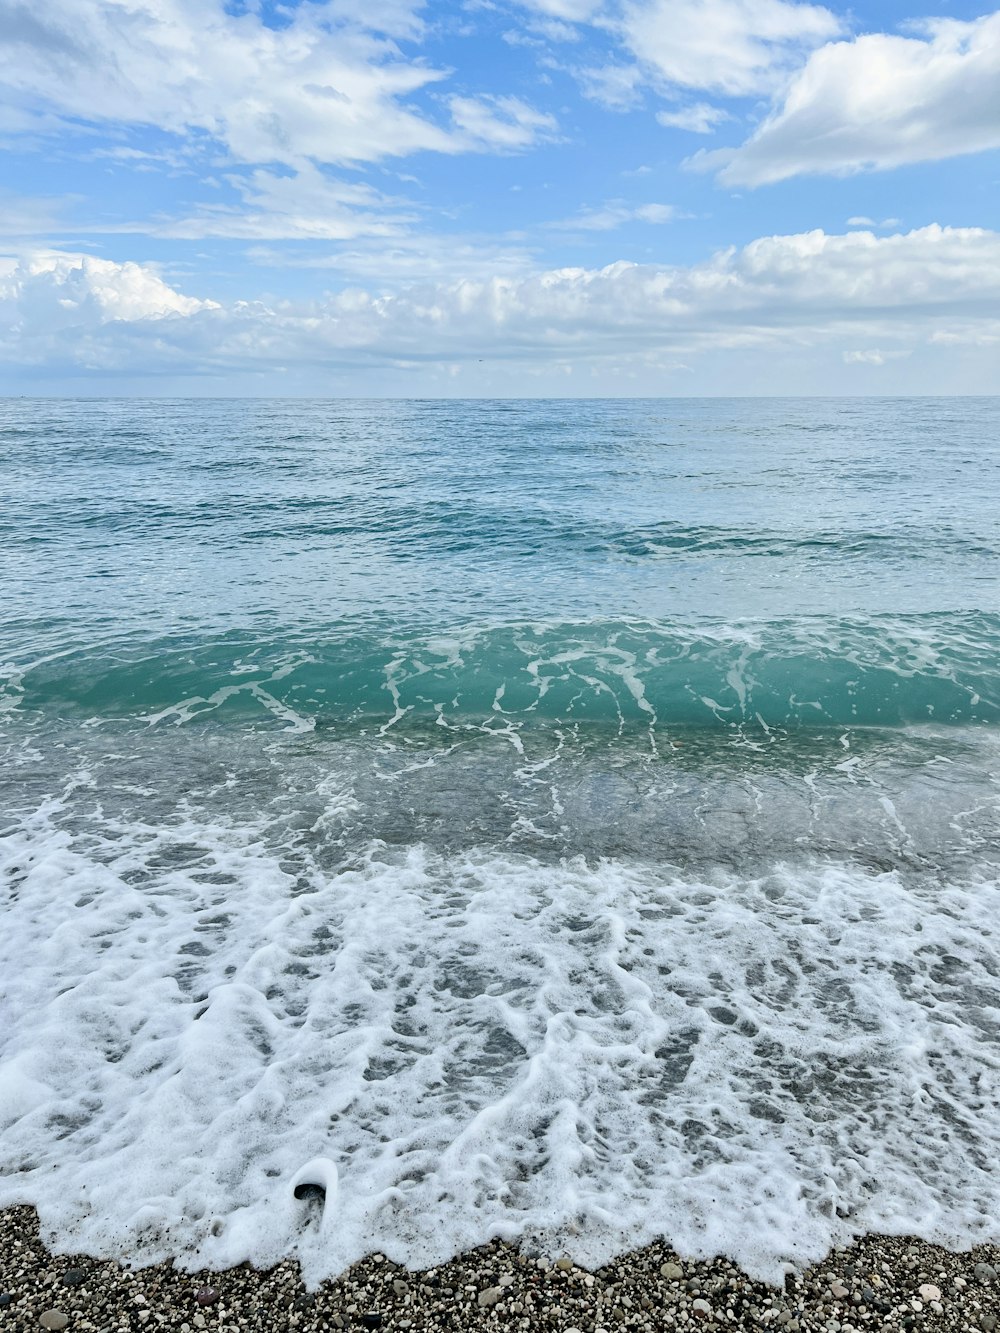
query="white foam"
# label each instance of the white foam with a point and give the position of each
(461, 1047)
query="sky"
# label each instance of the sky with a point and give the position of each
(499, 197)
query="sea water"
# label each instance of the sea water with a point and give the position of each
(575, 822)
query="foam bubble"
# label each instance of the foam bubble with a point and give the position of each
(450, 1047)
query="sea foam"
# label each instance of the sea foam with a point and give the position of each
(582, 1056)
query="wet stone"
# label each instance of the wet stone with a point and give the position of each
(54, 1320)
(73, 1277)
(206, 1296)
(371, 1319)
(672, 1272)
(5, 1299)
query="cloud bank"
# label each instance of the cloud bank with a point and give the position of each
(932, 285)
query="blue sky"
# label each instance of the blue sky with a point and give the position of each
(498, 197)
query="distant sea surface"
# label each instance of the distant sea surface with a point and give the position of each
(577, 822)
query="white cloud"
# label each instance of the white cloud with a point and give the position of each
(330, 86)
(886, 224)
(699, 118)
(731, 47)
(307, 205)
(404, 260)
(316, 88)
(504, 123)
(616, 86)
(792, 292)
(47, 294)
(572, 11)
(873, 356)
(616, 213)
(877, 102)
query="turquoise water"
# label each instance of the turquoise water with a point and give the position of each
(584, 798)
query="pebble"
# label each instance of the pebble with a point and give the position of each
(646, 1291)
(54, 1320)
(206, 1296)
(74, 1277)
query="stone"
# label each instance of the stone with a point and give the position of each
(73, 1277)
(507, 1280)
(565, 1263)
(5, 1299)
(399, 1286)
(371, 1319)
(988, 1322)
(489, 1296)
(206, 1296)
(54, 1320)
(985, 1272)
(701, 1308)
(672, 1272)
(928, 1292)
(838, 1291)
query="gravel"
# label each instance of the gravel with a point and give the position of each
(880, 1284)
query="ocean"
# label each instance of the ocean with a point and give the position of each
(573, 822)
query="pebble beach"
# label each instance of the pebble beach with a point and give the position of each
(879, 1283)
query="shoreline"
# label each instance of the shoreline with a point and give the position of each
(873, 1284)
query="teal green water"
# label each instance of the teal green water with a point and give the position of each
(596, 802)
(795, 562)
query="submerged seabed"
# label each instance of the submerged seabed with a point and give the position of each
(580, 930)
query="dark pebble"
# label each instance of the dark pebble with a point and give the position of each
(5, 1299)
(73, 1277)
(206, 1296)
(372, 1319)
(311, 1193)
(302, 1301)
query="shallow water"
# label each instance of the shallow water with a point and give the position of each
(566, 821)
